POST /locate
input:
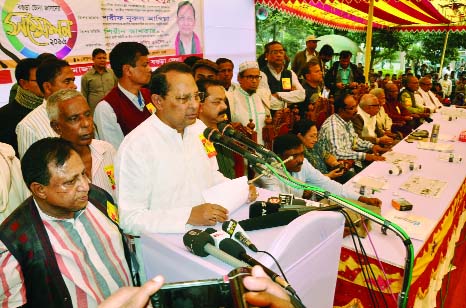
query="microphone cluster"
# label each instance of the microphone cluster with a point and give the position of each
(228, 137)
(219, 245)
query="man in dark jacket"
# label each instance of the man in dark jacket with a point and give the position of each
(343, 75)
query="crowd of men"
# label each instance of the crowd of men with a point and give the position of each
(126, 155)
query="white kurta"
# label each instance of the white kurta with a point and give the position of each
(244, 107)
(161, 175)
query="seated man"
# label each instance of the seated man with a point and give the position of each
(205, 69)
(337, 135)
(71, 118)
(162, 165)
(62, 247)
(401, 117)
(290, 145)
(430, 101)
(412, 100)
(365, 121)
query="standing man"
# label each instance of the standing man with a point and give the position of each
(62, 246)
(28, 97)
(162, 165)
(71, 118)
(312, 81)
(325, 55)
(213, 110)
(337, 135)
(99, 80)
(282, 83)
(304, 56)
(52, 75)
(128, 104)
(249, 101)
(446, 86)
(343, 75)
(225, 73)
(205, 69)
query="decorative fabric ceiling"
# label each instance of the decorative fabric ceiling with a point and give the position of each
(399, 15)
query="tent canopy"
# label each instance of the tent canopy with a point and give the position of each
(400, 15)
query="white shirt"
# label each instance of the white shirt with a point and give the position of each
(384, 122)
(297, 95)
(244, 107)
(13, 190)
(369, 124)
(106, 120)
(35, 126)
(310, 176)
(446, 87)
(103, 173)
(430, 100)
(161, 176)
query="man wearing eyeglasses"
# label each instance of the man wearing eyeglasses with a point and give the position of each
(128, 104)
(365, 121)
(163, 166)
(248, 101)
(337, 135)
(282, 83)
(430, 101)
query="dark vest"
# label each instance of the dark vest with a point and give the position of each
(128, 116)
(25, 236)
(274, 84)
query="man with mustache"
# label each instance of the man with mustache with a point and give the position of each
(71, 118)
(62, 246)
(290, 145)
(213, 110)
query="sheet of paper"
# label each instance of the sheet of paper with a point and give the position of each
(417, 227)
(230, 194)
(424, 186)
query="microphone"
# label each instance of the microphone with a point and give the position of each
(213, 135)
(218, 236)
(237, 251)
(228, 130)
(233, 229)
(268, 221)
(202, 244)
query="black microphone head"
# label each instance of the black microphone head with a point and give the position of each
(210, 230)
(269, 221)
(195, 240)
(232, 248)
(262, 208)
(225, 128)
(211, 134)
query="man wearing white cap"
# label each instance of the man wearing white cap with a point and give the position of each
(248, 101)
(302, 57)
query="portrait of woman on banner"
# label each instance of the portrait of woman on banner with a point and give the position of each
(186, 41)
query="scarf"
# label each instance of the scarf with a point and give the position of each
(28, 99)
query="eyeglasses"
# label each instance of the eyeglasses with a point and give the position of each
(184, 99)
(374, 106)
(351, 108)
(253, 77)
(277, 52)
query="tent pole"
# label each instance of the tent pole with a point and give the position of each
(367, 61)
(443, 54)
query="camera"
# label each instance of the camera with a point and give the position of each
(226, 291)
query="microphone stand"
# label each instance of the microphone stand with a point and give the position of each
(284, 176)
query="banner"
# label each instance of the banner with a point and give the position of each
(71, 29)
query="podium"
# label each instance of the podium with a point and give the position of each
(307, 249)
